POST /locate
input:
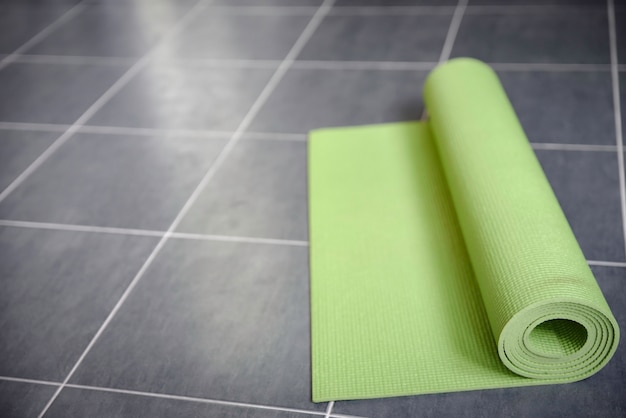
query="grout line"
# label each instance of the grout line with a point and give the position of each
(314, 64)
(270, 136)
(34, 381)
(520, 66)
(252, 112)
(364, 65)
(618, 113)
(572, 147)
(81, 228)
(121, 130)
(40, 36)
(329, 409)
(73, 59)
(606, 263)
(228, 238)
(455, 23)
(97, 105)
(531, 8)
(150, 233)
(390, 10)
(226, 63)
(265, 10)
(44, 127)
(192, 399)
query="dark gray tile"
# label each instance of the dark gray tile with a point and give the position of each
(392, 3)
(178, 6)
(563, 107)
(88, 403)
(622, 87)
(601, 395)
(217, 35)
(21, 20)
(226, 321)
(309, 99)
(127, 30)
(620, 27)
(52, 93)
(378, 38)
(185, 98)
(117, 181)
(260, 191)
(41, 4)
(301, 3)
(57, 289)
(573, 37)
(600, 4)
(23, 400)
(18, 149)
(587, 186)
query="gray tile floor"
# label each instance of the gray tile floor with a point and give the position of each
(153, 212)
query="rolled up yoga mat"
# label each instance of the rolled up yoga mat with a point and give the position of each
(440, 258)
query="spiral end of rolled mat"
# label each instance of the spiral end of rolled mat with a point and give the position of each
(558, 341)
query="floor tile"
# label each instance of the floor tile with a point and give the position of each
(538, 2)
(598, 396)
(301, 3)
(20, 21)
(57, 289)
(260, 191)
(111, 31)
(59, 5)
(563, 107)
(18, 149)
(23, 400)
(587, 186)
(52, 93)
(395, 2)
(310, 99)
(187, 97)
(378, 38)
(178, 6)
(620, 28)
(227, 321)
(81, 403)
(116, 181)
(218, 35)
(574, 37)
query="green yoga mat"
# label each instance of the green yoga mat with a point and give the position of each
(440, 258)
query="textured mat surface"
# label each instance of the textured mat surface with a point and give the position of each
(440, 258)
